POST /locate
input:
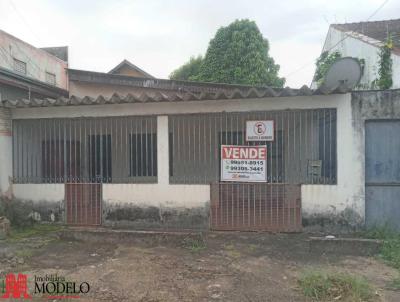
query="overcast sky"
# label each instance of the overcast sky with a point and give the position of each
(159, 36)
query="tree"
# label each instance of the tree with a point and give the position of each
(323, 63)
(188, 70)
(238, 54)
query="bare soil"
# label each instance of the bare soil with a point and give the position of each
(232, 267)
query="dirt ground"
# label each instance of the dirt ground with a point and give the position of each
(231, 267)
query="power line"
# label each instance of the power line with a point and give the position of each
(23, 19)
(341, 40)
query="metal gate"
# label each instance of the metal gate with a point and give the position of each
(382, 173)
(83, 203)
(255, 207)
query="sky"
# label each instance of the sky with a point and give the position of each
(159, 36)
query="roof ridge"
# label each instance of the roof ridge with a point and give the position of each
(360, 22)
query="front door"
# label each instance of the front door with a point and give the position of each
(382, 173)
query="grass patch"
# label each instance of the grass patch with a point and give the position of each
(394, 284)
(195, 244)
(232, 251)
(322, 286)
(390, 251)
(36, 230)
(25, 253)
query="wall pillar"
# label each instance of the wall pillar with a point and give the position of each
(5, 153)
(162, 150)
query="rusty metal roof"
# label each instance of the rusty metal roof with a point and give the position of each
(173, 96)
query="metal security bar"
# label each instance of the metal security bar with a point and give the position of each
(304, 149)
(85, 150)
(83, 203)
(255, 207)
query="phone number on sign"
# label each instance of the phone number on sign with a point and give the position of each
(242, 168)
(247, 162)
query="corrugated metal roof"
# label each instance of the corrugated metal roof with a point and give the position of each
(173, 96)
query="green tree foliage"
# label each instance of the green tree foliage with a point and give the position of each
(384, 80)
(323, 63)
(238, 54)
(188, 70)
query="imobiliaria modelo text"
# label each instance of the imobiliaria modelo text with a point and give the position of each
(57, 285)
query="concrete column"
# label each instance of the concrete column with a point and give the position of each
(5, 152)
(162, 150)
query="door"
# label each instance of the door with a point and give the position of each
(382, 173)
(83, 203)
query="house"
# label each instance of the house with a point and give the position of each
(129, 69)
(141, 152)
(363, 40)
(30, 72)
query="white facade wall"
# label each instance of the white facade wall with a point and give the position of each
(350, 46)
(5, 152)
(38, 61)
(316, 199)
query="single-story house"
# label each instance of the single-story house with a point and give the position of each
(146, 153)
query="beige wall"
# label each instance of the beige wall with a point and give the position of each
(128, 71)
(38, 61)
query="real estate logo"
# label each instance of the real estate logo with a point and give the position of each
(15, 286)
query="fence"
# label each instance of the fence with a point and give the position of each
(255, 207)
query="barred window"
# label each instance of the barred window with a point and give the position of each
(302, 138)
(50, 78)
(119, 149)
(143, 154)
(20, 66)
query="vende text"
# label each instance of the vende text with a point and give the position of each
(230, 152)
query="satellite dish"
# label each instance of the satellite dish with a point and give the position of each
(345, 74)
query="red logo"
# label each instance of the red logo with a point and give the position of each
(16, 287)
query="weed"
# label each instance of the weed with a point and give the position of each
(34, 231)
(232, 251)
(17, 212)
(390, 251)
(383, 233)
(394, 284)
(322, 286)
(25, 253)
(195, 244)
(253, 247)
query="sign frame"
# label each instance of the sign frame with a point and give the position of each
(222, 179)
(261, 140)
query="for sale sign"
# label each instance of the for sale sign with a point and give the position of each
(259, 130)
(243, 163)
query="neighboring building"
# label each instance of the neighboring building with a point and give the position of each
(27, 72)
(129, 69)
(30, 72)
(363, 41)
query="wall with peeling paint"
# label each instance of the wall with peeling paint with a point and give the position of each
(167, 204)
